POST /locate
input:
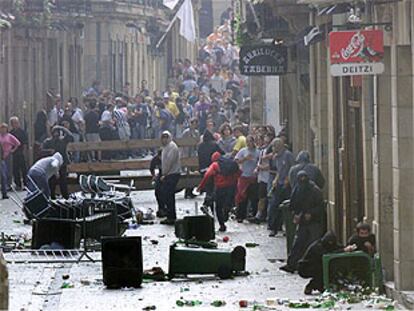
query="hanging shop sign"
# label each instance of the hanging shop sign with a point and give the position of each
(357, 52)
(263, 60)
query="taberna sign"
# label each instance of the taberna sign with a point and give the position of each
(263, 60)
(358, 52)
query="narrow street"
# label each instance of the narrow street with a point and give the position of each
(38, 286)
(297, 116)
(35, 287)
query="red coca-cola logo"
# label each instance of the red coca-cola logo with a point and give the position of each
(359, 46)
(354, 47)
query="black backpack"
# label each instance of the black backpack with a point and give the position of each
(227, 166)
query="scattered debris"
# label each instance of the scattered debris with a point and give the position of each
(184, 289)
(133, 226)
(226, 239)
(65, 277)
(251, 245)
(154, 242)
(85, 282)
(333, 300)
(67, 285)
(155, 274)
(148, 308)
(218, 303)
(243, 303)
(188, 303)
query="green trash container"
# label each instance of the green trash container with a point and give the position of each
(198, 228)
(378, 281)
(290, 227)
(358, 263)
(198, 260)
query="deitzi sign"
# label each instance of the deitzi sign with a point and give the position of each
(264, 60)
(357, 52)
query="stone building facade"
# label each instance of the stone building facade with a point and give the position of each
(79, 42)
(363, 135)
(359, 130)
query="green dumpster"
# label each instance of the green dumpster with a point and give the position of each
(197, 260)
(198, 228)
(378, 281)
(362, 266)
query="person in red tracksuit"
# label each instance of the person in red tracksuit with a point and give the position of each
(225, 187)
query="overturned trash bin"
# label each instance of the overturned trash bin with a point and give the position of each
(225, 263)
(199, 228)
(341, 269)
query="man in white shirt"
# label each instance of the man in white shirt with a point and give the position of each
(217, 81)
(56, 113)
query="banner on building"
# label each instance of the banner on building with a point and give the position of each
(263, 60)
(358, 52)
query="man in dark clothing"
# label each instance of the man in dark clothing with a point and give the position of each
(363, 240)
(171, 168)
(92, 127)
(310, 266)
(59, 141)
(306, 203)
(19, 161)
(206, 148)
(304, 164)
(281, 162)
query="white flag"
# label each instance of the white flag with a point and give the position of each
(170, 3)
(186, 16)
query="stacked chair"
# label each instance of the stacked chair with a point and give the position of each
(100, 209)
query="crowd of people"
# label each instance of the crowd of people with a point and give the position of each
(248, 171)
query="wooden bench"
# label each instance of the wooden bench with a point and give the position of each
(113, 168)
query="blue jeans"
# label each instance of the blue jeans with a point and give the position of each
(4, 177)
(38, 179)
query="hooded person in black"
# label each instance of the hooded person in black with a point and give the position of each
(306, 202)
(310, 266)
(304, 164)
(206, 148)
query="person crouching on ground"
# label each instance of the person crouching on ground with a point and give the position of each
(40, 173)
(311, 266)
(224, 184)
(170, 168)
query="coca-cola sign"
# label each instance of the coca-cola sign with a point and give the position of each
(358, 52)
